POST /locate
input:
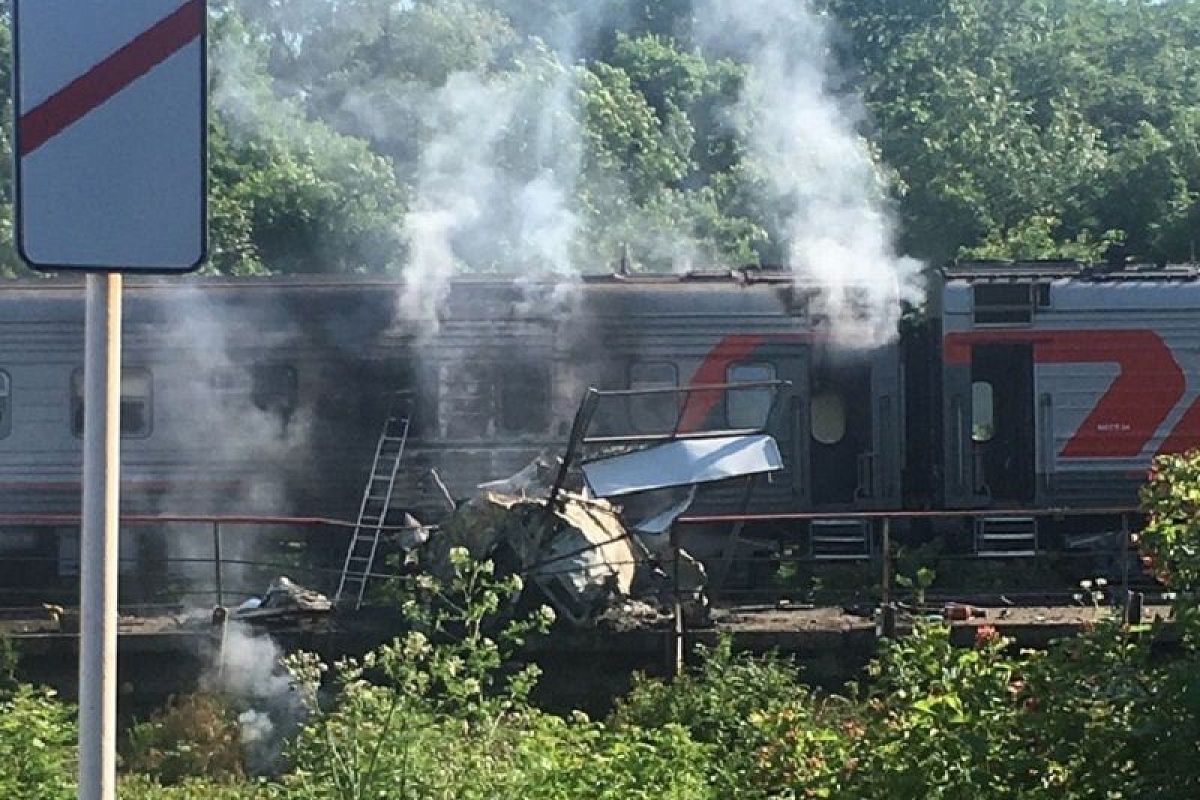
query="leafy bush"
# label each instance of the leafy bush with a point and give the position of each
(444, 689)
(142, 787)
(195, 735)
(938, 722)
(37, 746)
(1171, 539)
(764, 723)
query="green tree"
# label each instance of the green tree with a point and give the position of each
(289, 194)
(663, 174)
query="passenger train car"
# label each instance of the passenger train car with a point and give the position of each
(1025, 387)
(1060, 384)
(265, 396)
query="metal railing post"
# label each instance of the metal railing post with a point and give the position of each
(216, 530)
(677, 626)
(1125, 554)
(887, 611)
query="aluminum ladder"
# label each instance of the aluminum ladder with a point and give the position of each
(376, 502)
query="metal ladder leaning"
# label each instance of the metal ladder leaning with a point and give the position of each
(376, 502)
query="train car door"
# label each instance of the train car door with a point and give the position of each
(793, 439)
(839, 431)
(882, 466)
(1003, 431)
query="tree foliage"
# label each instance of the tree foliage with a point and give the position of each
(1016, 129)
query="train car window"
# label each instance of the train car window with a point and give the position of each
(827, 416)
(135, 402)
(1003, 303)
(5, 405)
(524, 393)
(68, 553)
(983, 412)
(227, 379)
(466, 401)
(137, 399)
(654, 413)
(749, 408)
(1042, 291)
(274, 388)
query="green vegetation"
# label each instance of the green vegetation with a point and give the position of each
(1018, 128)
(442, 712)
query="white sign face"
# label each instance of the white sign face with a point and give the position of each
(111, 105)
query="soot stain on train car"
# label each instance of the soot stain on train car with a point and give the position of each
(249, 380)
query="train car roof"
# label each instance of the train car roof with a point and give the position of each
(724, 277)
(747, 293)
(1010, 271)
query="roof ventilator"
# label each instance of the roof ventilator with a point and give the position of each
(1004, 303)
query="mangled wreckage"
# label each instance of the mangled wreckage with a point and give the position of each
(593, 529)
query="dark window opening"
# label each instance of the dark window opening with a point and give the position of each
(466, 402)
(5, 405)
(827, 416)
(274, 388)
(524, 393)
(653, 413)
(1042, 291)
(983, 412)
(136, 402)
(749, 408)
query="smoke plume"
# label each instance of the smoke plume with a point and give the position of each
(825, 186)
(495, 183)
(229, 369)
(248, 670)
(491, 150)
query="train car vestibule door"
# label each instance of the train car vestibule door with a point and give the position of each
(1003, 430)
(839, 432)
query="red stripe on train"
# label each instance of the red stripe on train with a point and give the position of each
(1186, 434)
(1149, 385)
(715, 369)
(112, 75)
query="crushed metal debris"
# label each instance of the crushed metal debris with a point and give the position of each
(552, 523)
(285, 602)
(581, 556)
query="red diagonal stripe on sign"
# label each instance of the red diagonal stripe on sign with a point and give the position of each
(98, 85)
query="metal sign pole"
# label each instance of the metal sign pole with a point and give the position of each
(99, 538)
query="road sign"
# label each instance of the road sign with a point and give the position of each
(111, 109)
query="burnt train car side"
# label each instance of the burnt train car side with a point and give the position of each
(265, 395)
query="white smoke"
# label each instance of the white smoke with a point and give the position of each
(221, 367)
(495, 168)
(495, 183)
(248, 669)
(825, 186)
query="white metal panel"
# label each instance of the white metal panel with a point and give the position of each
(683, 462)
